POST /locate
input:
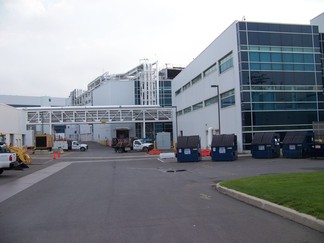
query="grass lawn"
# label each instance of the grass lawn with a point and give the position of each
(303, 192)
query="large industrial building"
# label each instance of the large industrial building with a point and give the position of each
(143, 85)
(254, 77)
(143, 88)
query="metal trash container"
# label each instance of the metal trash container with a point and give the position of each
(297, 144)
(224, 147)
(317, 149)
(188, 149)
(265, 145)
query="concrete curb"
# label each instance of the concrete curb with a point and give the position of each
(288, 213)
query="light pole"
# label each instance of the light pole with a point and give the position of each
(218, 101)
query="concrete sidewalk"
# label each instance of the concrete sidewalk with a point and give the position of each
(288, 213)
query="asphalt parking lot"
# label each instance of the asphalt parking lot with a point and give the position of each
(244, 166)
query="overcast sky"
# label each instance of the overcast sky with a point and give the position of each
(50, 47)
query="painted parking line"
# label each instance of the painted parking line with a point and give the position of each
(12, 188)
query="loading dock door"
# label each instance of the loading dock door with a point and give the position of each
(122, 133)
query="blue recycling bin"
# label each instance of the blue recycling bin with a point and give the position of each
(224, 147)
(188, 149)
(297, 144)
(265, 145)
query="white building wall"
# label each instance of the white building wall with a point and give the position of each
(105, 132)
(18, 100)
(319, 20)
(115, 92)
(12, 123)
(197, 122)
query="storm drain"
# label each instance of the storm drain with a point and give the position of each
(173, 171)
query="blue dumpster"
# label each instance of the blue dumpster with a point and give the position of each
(224, 147)
(188, 149)
(317, 149)
(297, 144)
(265, 145)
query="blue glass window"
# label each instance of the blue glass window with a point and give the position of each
(254, 57)
(309, 67)
(287, 57)
(265, 66)
(308, 58)
(265, 57)
(276, 66)
(298, 57)
(226, 62)
(255, 66)
(228, 98)
(276, 57)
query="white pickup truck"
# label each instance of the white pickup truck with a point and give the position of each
(70, 145)
(123, 145)
(8, 160)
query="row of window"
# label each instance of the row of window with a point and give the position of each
(275, 58)
(281, 49)
(278, 39)
(224, 63)
(283, 106)
(283, 88)
(199, 105)
(227, 99)
(282, 28)
(271, 78)
(278, 57)
(289, 96)
(279, 67)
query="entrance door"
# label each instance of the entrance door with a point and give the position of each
(122, 133)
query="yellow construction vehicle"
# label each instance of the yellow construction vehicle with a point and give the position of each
(22, 153)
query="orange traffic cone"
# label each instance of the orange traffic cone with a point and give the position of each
(58, 154)
(54, 155)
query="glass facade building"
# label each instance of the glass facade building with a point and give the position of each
(281, 77)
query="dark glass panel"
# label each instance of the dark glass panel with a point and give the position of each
(281, 78)
(245, 66)
(284, 117)
(243, 40)
(245, 96)
(242, 25)
(244, 56)
(246, 119)
(245, 77)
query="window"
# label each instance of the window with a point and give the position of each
(210, 70)
(196, 79)
(187, 110)
(178, 92)
(186, 86)
(226, 62)
(211, 101)
(228, 98)
(197, 106)
(179, 113)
